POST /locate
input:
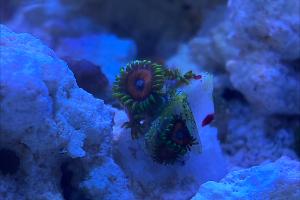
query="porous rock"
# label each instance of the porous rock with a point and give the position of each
(267, 35)
(46, 121)
(278, 180)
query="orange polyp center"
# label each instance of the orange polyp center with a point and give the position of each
(139, 83)
(180, 134)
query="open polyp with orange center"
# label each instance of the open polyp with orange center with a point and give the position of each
(139, 86)
(173, 133)
(174, 142)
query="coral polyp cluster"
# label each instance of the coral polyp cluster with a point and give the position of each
(149, 94)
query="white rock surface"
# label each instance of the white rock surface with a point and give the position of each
(267, 35)
(279, 180)
(47, 120)
(266, 25)
(212, 49)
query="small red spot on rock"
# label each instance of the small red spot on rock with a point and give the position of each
(208, 119)
(197, 77)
